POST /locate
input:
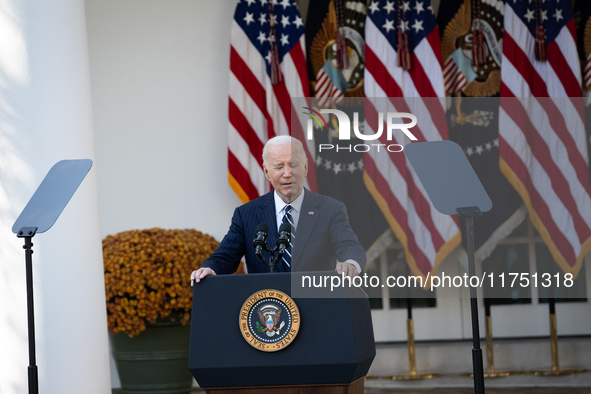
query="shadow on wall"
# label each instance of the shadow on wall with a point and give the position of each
(16, 179)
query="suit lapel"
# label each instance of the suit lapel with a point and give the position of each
(267, 215)
(308, 215)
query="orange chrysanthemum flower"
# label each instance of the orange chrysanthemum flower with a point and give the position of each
(147, 275)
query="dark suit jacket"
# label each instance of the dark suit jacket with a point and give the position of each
(323, 235)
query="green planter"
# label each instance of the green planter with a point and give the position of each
(156, 361)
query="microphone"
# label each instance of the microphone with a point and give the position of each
(260, 239)
(284, 236)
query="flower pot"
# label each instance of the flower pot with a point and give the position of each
(156, 361)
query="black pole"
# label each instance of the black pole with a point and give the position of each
(476, 351)
(552, 305)
(27, 234)
(487, 307)
(40, 213)
(409, 308)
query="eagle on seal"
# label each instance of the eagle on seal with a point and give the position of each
(270, 321)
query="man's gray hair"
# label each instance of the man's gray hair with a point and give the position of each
(283, 140)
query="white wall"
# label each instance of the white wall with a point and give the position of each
(160, 98)
(45, 117)
(159, 72)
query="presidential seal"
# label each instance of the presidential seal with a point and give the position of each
(269, 320)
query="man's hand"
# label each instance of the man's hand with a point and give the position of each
(346, 268)
(201, 273)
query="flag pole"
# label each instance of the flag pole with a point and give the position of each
(410, 334)
(410, 341)
(555, 371)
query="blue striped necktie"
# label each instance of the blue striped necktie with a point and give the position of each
(285, 265)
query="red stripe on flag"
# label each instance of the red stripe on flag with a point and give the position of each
(299, 60)
(399, 160)
(421, 80)
(540, 207)
(559, 126)
(522, 64)
(563, 71)
(541, 152)
(399, 214)
(449, 63)
(574, 155)
(391, 88)
(240, 123)
(242, 176)
(434, 40)
(251, 84)
(380, 73)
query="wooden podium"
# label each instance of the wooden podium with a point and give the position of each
(231, 351)
(353, 388)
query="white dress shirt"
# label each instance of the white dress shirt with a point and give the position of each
(296, 207)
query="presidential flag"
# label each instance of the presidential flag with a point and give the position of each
(335, 47)
(462, 21)
(267, 69)
(473, 120)
(403, 60)
(543, 152)
(583, 18)
(337, 81)
(583, 14)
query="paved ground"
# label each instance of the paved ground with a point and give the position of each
(452, 390)
(454, 384)
(516, 384)
(536, 390)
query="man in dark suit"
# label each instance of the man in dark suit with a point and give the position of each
(322, 239)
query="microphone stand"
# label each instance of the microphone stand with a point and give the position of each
(273, 259)
(272, 262)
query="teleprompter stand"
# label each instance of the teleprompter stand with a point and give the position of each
(490, 359)
(454, 188)
(41, 212)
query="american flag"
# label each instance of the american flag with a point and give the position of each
(542, 128)
(427, 235)
(259, 109)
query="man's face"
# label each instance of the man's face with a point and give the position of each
(286, 175)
